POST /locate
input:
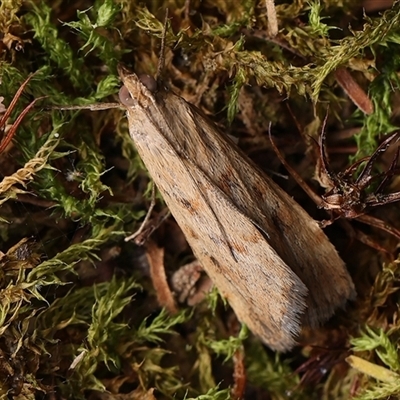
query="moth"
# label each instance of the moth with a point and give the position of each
(266, 255)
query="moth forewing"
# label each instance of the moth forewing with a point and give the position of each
(290, 231)
(246, 270)
(260, 248)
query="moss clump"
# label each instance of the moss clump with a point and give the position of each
(78, 312)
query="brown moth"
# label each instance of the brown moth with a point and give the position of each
(264, 253)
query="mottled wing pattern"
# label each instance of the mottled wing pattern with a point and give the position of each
(290, 231)
(259, 286)
(242, 227)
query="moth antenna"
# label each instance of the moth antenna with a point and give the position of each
(161, 60)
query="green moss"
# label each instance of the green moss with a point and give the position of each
(78, 313)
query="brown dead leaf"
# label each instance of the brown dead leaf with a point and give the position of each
(155, 258)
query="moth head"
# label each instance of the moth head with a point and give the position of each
(135, 87)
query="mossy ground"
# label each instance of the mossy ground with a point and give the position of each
(79, 316)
